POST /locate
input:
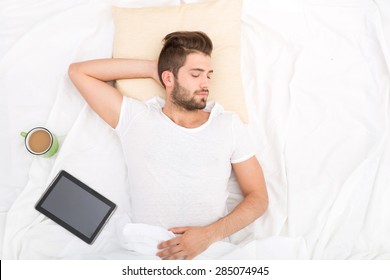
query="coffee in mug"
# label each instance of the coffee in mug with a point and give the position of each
(40, 141)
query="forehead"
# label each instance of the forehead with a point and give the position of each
(198, 61)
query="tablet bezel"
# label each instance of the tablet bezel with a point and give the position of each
(61, 174)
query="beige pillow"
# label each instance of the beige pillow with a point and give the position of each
(139, 33)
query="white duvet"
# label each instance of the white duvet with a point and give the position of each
(316, 82)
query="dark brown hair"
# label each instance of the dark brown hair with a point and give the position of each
(177, 46)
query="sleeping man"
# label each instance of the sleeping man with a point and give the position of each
(179, 151)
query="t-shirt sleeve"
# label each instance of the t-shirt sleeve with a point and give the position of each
(243, 143)
(130, 109)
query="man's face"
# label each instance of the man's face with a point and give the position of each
(191, 87)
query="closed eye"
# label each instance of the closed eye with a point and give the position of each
(197, 76)
(196, 72)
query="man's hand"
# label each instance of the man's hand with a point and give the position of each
(191, 242)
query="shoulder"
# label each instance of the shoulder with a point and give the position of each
(129, 101)
(130, 110)
(221, 115)
(138, 106)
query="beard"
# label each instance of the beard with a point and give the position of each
(183, 98)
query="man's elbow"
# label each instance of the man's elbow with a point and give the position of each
(73, 70)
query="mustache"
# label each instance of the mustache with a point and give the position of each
(201, 91)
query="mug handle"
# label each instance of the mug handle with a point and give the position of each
(24, 134)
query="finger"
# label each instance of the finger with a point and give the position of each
(179, 230)
(169, 243)
(178, 256)
(190, 257)
(170, 251)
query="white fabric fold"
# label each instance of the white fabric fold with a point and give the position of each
(143, 238)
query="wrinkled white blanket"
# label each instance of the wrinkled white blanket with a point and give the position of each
(316, 80)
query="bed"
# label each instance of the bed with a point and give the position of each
(315, 77)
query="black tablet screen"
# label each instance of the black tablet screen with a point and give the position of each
(72, 203)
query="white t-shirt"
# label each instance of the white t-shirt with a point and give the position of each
(178, 176)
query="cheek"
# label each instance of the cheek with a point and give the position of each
(193, 86)
(190, 87)
(190, 84)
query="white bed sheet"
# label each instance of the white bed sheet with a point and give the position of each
(316, 80)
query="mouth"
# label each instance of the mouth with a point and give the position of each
(202, 93)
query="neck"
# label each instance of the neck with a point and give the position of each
(183, 117)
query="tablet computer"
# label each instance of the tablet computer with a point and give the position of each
(75, 206)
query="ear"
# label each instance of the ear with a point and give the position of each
(168, 78)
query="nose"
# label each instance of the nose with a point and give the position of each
(205, 82)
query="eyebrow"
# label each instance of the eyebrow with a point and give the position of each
(201, 70)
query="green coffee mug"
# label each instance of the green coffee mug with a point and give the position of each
(40, 141)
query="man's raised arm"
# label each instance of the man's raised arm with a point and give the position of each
(91, 77)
